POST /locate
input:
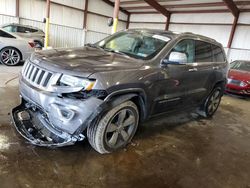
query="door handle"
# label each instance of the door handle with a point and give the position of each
(216, 68)
(192, 70)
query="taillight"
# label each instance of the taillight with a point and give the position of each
(32, 44)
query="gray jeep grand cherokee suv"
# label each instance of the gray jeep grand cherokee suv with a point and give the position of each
(103, 90)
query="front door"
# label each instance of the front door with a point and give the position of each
(172, 85)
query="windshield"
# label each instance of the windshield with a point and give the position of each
(137, 44)
(241, 65)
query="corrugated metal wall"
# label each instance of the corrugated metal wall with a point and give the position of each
(63, 31)
(216, 25)
(218, 32)
(147, 18)
(241, 40)
(8, 19)
(97, 28)
(8, 11)
(8, 7)
(66, 28)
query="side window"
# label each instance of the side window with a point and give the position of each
(186, 46)
(5, 35)
(21, 29)
(218, 54)
(10, 28)
(203, 52)
(31, 30)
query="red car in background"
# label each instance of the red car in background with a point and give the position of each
(238, 81)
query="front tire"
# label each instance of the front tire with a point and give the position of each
(115, 129)
(10, 56)
(212, 103)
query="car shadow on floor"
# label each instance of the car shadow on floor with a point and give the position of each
(168, 122)
(244, 97)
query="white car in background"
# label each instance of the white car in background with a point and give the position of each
(26, 31)
(14, 49)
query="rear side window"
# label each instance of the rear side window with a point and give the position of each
(218, 54)
(30, 30)
(203, 52)
(5, 35)
(21, 29)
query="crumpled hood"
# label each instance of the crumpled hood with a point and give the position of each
(83, 61)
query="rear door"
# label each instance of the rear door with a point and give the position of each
(220, 63)
(200, 73)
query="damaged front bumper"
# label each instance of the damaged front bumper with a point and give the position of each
(34, 127)
(45, 119)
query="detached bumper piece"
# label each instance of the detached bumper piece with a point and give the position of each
(34, 127)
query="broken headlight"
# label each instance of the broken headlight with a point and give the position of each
(77, 82)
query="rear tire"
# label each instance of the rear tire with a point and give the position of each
(115, 129)
(10, 56)
(212, 103)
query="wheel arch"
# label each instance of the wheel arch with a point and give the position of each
(221, 83)
(136, 95)
(21, 55)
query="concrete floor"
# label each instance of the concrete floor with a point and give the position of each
(177, 151)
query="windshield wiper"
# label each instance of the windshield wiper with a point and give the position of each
(94, 46)
(116, 51)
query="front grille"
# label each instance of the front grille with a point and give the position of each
(36, 76)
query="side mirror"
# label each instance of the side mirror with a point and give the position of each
(176, 58)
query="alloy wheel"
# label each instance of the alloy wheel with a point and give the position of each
(214, 102)
(120, 128)
(10, 57)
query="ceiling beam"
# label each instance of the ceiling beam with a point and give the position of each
(158, 7)
(232, 7)
(190, 5)
(140, 2)
(113, 5)
(216, 4)
(187, 11)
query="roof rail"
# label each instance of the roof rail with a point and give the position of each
(190, 33)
